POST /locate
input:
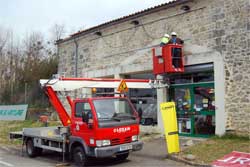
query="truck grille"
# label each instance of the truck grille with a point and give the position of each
(127, 139)
(117, 141)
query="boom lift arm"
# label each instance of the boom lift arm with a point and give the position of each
(69, 84)
(55, 101)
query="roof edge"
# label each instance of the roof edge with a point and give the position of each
(122, 19)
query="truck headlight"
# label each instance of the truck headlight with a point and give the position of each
(105, 142)
(135, 138)
(100, 143)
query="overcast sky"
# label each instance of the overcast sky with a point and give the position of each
(25, 16)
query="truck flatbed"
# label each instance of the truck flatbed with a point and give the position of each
(49, 133)
(50, 138)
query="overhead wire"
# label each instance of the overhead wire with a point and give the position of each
(150, 22)
(143, 48)
(149, 34)
(133, 50)
(144, 29)
(165, 29)
(124, 42)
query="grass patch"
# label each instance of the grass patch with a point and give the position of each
(216, 147)
(12, 126)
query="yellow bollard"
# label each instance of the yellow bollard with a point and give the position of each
(168, 113)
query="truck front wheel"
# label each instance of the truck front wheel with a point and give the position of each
(79, 156)
(31, 150)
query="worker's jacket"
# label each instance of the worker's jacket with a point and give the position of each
(176, 41)
(164, 40)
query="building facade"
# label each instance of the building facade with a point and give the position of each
(212, 96)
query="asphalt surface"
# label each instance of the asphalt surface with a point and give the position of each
(153, 154)
(8, 159)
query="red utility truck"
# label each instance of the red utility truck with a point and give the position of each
(98, 126)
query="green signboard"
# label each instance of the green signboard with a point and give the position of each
(13, 112)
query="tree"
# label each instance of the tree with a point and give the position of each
(22, 65)
(3, 40)
(57, 31)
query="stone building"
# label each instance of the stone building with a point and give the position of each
(215, 86)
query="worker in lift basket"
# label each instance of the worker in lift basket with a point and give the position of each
(164, 40)
(176, 52)
(175, 40)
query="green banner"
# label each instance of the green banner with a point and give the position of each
(13, 112)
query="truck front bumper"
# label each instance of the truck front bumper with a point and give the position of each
(117, 149)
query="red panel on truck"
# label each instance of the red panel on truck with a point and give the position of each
(168, 59)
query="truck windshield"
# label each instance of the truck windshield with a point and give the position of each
(113, 109)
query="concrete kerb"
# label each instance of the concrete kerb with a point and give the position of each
(182, 160)
(178, 158)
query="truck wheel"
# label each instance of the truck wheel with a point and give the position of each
(79, 156)
(122, 157)
(31, 149)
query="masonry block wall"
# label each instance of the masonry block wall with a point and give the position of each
(221, 26)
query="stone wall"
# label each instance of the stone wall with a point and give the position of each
(221, 26)
(232, 26)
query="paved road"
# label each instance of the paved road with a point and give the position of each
(16, 160)
(153, 154)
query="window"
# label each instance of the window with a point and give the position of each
(184, 124)
(82, 107)
(181, 79)
(192, 78)
(204, 124)
(112, 108)
(144, 100)
(182, 99)
(204, 98)
(104, 92)
(203, 77)
(195, 105)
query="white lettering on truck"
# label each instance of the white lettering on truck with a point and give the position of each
(121, 130)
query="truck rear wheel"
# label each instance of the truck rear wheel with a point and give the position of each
(31, 150)
(122, 157)
(79, 156)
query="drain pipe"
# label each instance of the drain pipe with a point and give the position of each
(76, 57)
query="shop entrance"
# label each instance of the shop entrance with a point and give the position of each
(195, 103)
(144, 100)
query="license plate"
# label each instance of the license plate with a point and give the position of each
(127, 147)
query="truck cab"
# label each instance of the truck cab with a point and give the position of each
(104, 127)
